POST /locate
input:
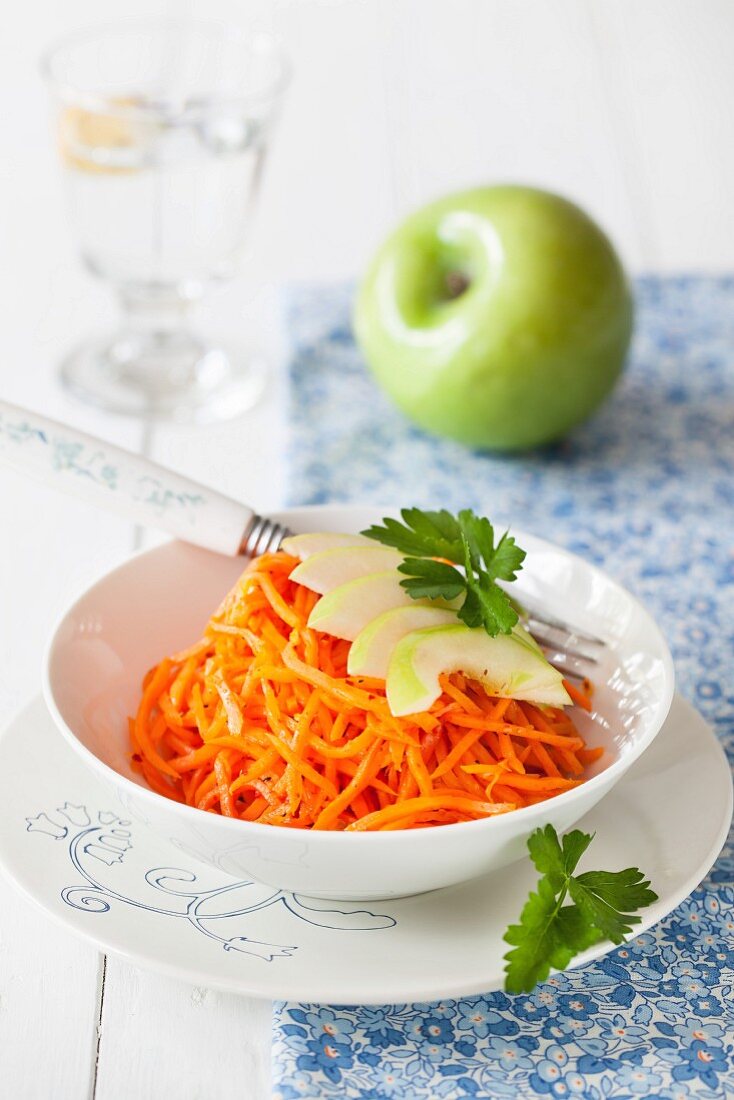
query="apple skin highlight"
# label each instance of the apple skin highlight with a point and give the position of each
(499, 317)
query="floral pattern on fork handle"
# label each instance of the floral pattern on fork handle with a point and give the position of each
(109, 477)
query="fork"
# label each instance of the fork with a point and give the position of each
(151, 495)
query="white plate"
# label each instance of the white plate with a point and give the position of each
(68, 846)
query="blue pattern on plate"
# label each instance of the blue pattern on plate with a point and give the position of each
(645, 489)
(99, 840)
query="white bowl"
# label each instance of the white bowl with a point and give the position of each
(159, 601)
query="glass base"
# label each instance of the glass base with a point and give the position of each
(170, 377)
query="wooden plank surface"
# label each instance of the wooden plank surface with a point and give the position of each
(164, 1038)
(669, 68)
(514, 93)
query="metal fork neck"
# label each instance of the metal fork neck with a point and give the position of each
(261, 536)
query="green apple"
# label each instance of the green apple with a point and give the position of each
(508, 665)
(330, 568)
(499, 317)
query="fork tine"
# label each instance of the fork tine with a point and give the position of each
(534, 614)
(564, 643)
(569, 662)
(569, 673)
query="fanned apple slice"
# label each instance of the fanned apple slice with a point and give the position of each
(329, 569)
(346, 610)
(370, 651)
(314, 542)
(508, 665)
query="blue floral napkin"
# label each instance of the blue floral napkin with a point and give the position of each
(646, 490)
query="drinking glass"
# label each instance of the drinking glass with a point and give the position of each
(163, 128)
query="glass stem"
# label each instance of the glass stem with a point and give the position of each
(157, 345)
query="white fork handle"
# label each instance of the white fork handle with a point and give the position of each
(123, 482)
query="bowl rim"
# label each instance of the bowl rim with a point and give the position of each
(530, 815)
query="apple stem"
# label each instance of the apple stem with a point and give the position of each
(456, 284)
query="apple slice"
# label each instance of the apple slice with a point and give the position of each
(371, 649)
(346, 610)
(314, 542)
(329, 569)
(509, 665)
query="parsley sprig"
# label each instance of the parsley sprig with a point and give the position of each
(550, 933)
(467, 541)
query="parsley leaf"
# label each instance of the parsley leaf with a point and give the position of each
(431, 579)
(608, 900)
(421, 534)
(467, 541)
(477, 536)
(507, 558)
(486, 604)
(550, 933)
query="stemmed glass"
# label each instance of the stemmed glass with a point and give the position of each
(163, 128)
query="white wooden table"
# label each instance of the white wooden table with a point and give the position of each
(625, 106)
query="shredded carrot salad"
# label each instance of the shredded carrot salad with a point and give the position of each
(260, 721)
